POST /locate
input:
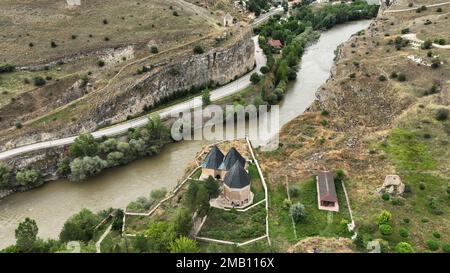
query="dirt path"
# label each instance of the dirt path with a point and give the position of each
(415, 8)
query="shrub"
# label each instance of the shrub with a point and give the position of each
(324, 113)
(264, 70)
(154, 50)
(403, 232)
(79, 227)
(394, 75)
(82, 168)
(432, 245)
(175, 13)
(7, 68)
(435, 63)
(382, 78)
(446, 248)
(404, 247)
(405, 31)
(401, 77)
(439, 10)
(297, 212)
(427, 44)
(5, 175)
(53, 44)
(206, 97)
(294, 191)
(255, 78)
(442, 114)
(105, 22)
(29, 178)
(101, 63)
(406, 220)
(385, 229)
(84, 145)
(158, 194)
(422, 185)
(385, 196)
(383, 218)
(436, 235)
(18, 125)
(39, 81)
(198, 50)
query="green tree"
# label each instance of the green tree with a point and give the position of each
(206, 97)
(79, 227)
(5, 175)
(383, 218)
(158, 194)
(198, 50)
(108, 145)
(118, 220)
(385, 229)
(182, 222)
(140, 243)
(26, 235)
(297, 211)
(84, 145)
(183, 245)
(29, 178)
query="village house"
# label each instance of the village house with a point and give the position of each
(231, 170)
(276, 45)
(326, 192)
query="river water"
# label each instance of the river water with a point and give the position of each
(56, 201)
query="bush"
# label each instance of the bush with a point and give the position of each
(5, 175)
(385, 229)
(401, 77)
(446, 248)
(297, 212)
(436, 235)
(82, 168)
(29, 178)
(405, 31)
(435, 63)
(101, 63)
(105, 22)
(442, 114)
(206, 97)
(432, 245)
(7, 68)
(158, 194)
(406, 220)
(39, 81)
(385, 196)
(383, 218)
(427, 44)
(404, 247)
(198, 50)
(255, 78)
(53, 44)
(79, 227)
(422, 185)
(175, 13)
(84, 145)
(264, 70)
(154, 50)
(294, 191)
(382, 78)
(394, 75)
(141, 204)
(403, 232)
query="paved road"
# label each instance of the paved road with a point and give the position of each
(118, 129)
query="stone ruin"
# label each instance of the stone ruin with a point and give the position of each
(72, 3)
(392, 185)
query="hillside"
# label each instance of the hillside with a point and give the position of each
(382, 113)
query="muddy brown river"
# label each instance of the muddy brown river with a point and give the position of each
(56, 201)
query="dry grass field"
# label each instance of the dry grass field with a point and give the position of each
(29, 27)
